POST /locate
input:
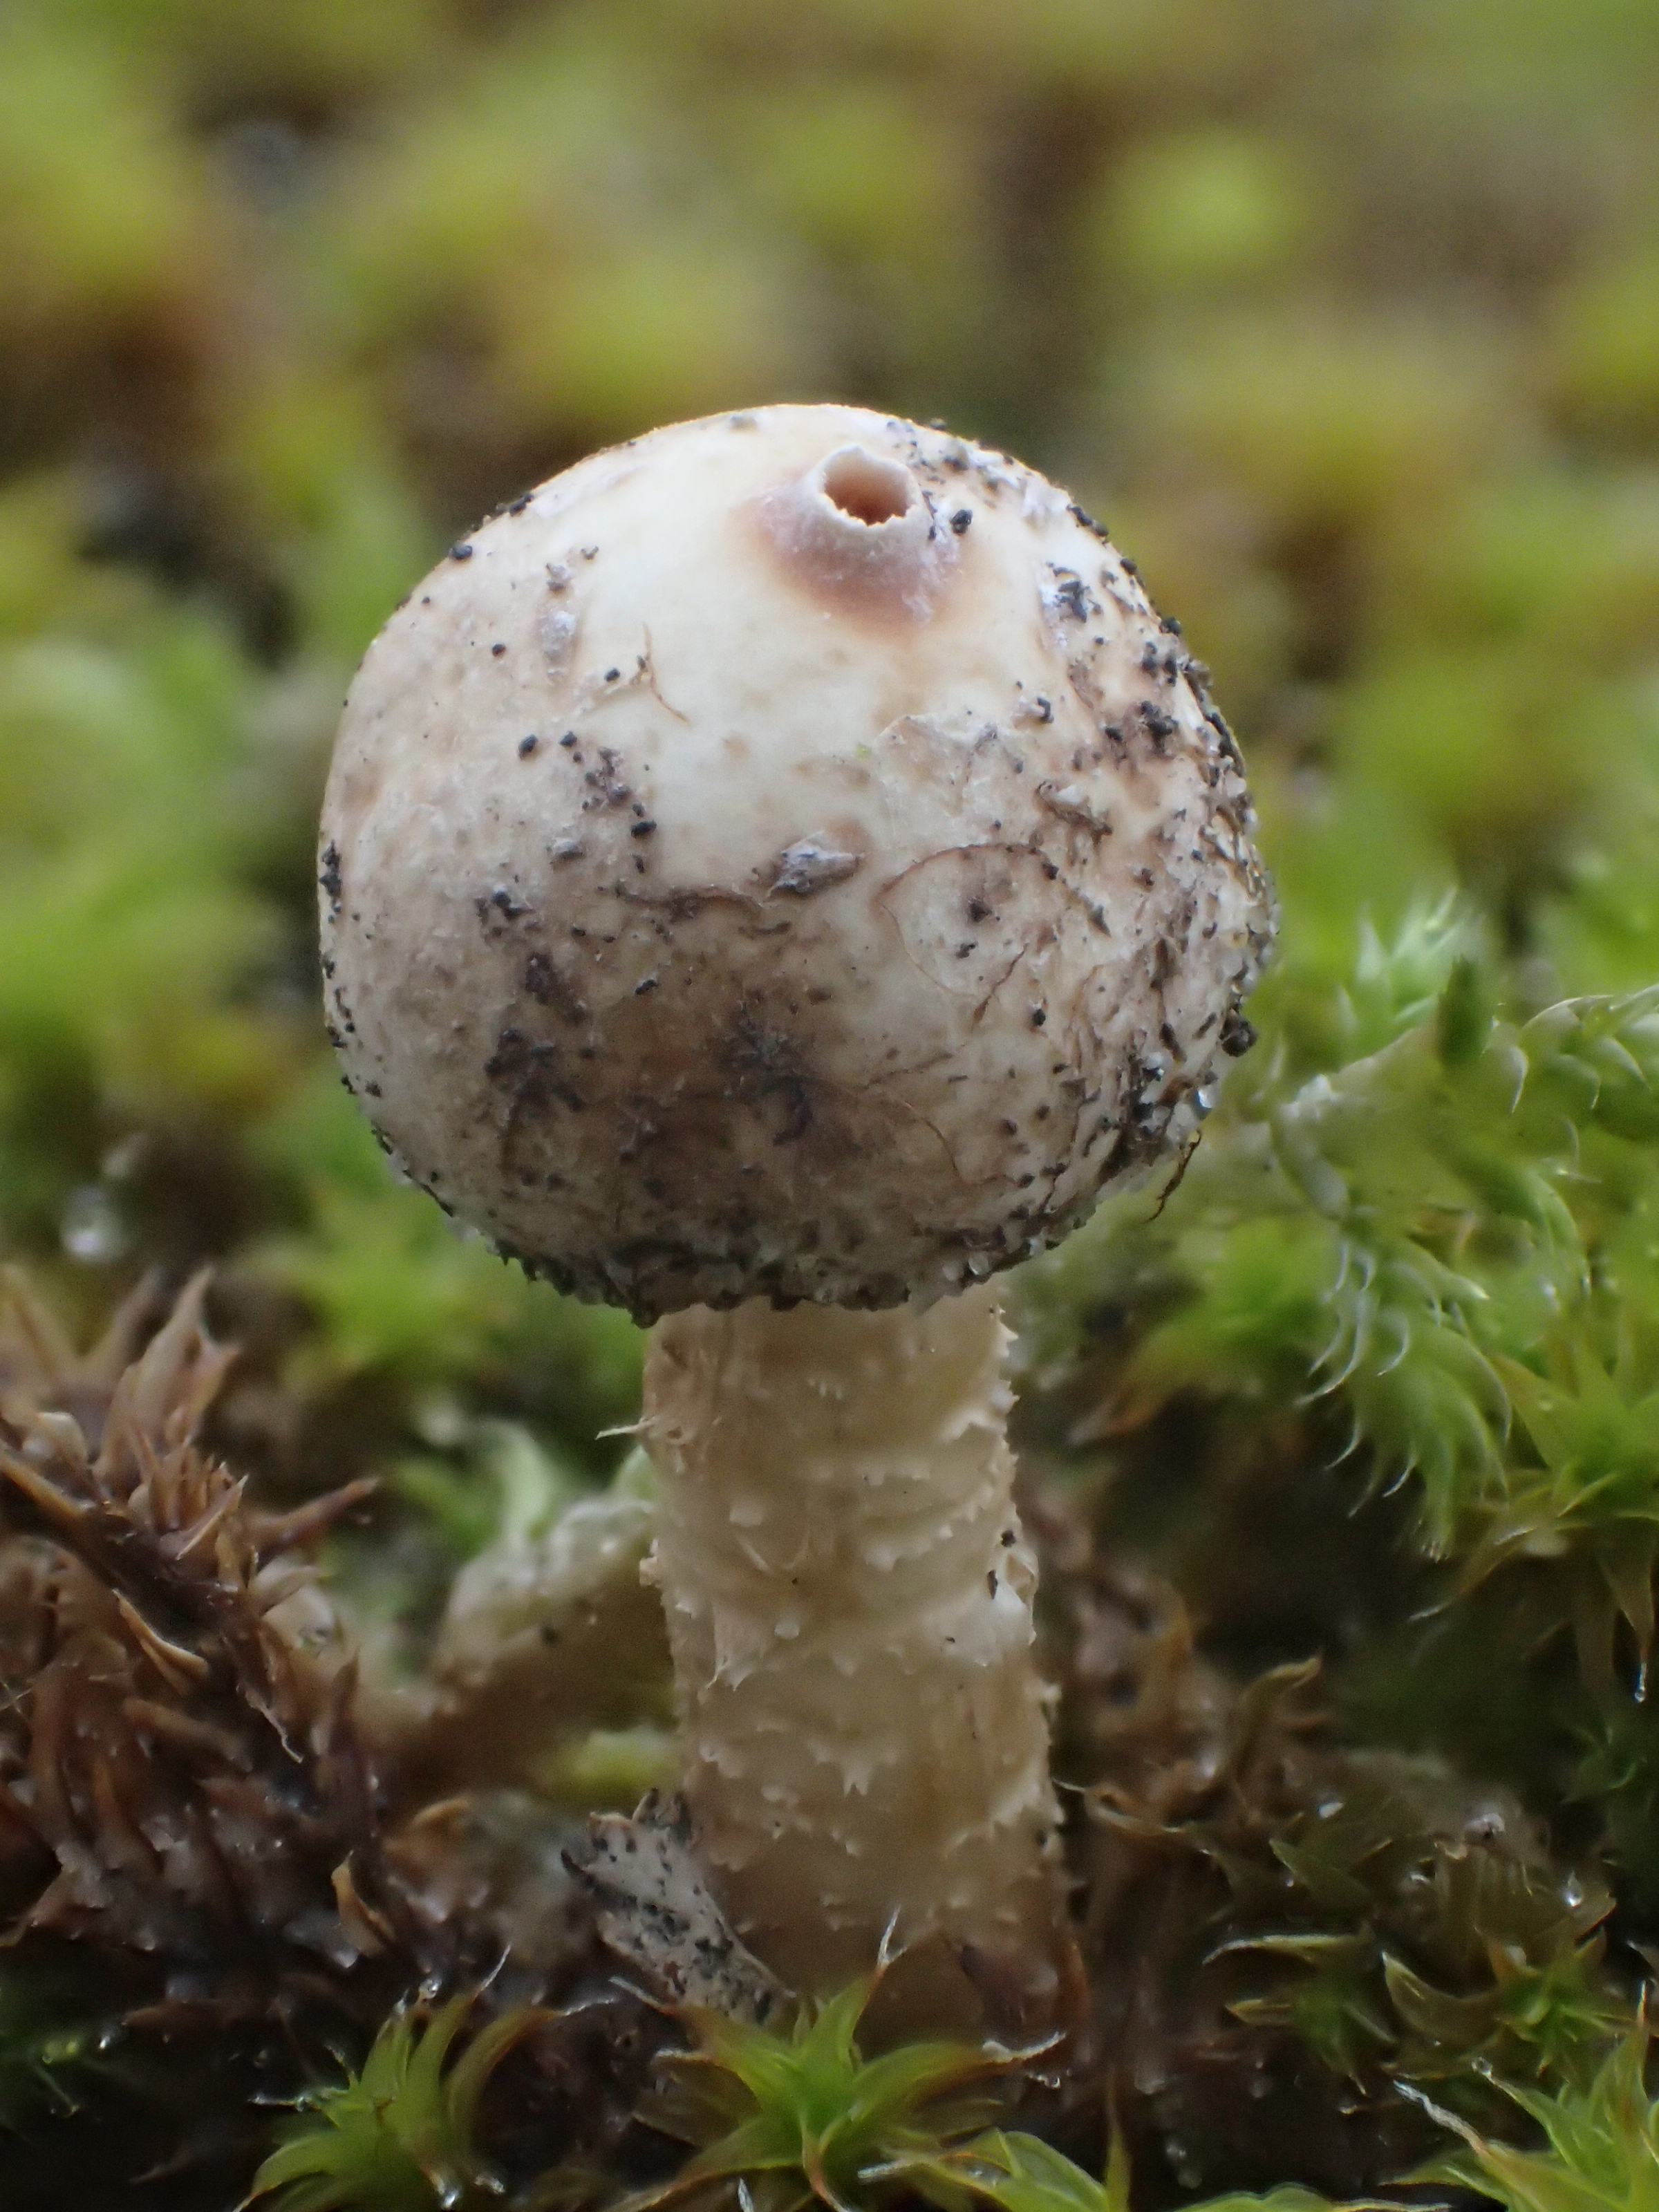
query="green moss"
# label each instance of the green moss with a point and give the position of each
(791, 2119)
(1022, 2173)
(1601, 2151)
(1327, 423)
(400, 1293)
(104, 211)
(1209, 209)
(1606, 348)
(400, 2136)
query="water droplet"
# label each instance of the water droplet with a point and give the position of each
(1182, 2163)
(91, 1228)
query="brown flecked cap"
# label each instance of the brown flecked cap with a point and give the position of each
(785, 855)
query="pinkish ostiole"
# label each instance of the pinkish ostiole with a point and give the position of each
(857, 530)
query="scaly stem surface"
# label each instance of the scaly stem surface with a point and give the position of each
(849, 1604)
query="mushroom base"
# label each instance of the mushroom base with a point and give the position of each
(848, 1600)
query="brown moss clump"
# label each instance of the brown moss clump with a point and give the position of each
(192, 1837)
(1280, 1928)
(180, 1775)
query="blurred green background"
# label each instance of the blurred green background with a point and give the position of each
(1344, 313)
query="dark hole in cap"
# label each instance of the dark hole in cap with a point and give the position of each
(870, 490)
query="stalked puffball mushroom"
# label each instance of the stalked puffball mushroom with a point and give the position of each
(782, 865)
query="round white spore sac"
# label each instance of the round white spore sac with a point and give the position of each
(784, 856)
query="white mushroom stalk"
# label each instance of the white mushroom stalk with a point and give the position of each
(849, 1606)
(787, 859)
